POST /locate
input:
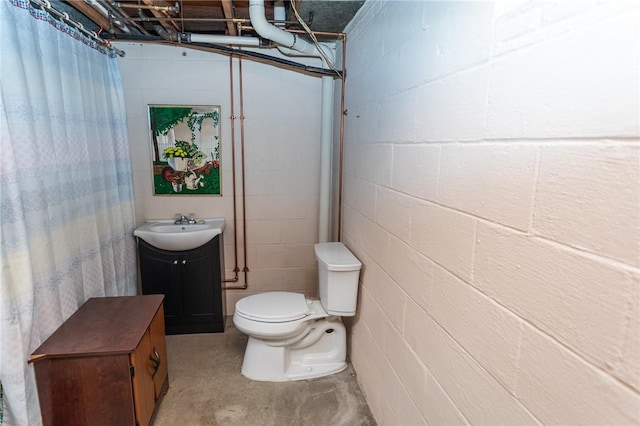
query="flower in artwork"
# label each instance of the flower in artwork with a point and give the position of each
(183, 149)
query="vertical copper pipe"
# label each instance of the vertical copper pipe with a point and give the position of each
(232, 117)
(244, 204)
(342, 115)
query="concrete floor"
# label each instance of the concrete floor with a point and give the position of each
(206, 388)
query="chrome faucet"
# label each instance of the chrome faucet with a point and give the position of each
(181, 219)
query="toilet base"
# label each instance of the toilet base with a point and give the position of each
(321, 353)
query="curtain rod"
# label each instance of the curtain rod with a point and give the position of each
(65, 19)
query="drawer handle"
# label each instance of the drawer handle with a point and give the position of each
(155, 358)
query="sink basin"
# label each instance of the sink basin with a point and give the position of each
(166, 235)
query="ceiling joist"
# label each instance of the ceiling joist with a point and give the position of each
(211, 17)
(229, 14)
(170, 26)
(91, 13)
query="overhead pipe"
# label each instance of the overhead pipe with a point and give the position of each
(224, 50)
(238, 21)
(291, 52)
(271, 32)
(219, 39)
(175, 9)
(343, 113)
(326, 133)
(292, 31)
(259, 57)
(326, 48)
(162, 32)
(108, 14)
(298, 44)
(207, 38)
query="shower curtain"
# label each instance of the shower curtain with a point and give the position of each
(66, 194)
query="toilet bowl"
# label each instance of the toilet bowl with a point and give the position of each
(292, 337)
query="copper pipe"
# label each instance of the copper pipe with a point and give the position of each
(244, 205)
(321, 33)
(145, 6)
(232, 117)
(170, 19)
(232, 20)
(343, 112)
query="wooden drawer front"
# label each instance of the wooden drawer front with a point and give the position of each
(91, 390)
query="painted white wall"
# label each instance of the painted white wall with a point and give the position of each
(282, 136)
(492, 192)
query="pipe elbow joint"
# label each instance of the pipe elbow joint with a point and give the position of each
(258, 17)
(281, 37)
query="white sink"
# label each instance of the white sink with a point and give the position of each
(166, 235)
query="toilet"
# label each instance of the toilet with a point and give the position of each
(294, 338)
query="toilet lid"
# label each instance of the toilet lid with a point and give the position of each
(273, 306)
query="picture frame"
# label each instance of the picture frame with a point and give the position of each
(185, 149)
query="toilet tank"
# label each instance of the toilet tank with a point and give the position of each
(338, 272)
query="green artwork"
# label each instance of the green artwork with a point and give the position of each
(186, 149)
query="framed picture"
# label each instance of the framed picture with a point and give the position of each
(185, 150)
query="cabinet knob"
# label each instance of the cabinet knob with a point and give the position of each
(184, 262)
(175, 262)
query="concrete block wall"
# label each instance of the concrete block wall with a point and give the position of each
(492, 192)
(282, 137)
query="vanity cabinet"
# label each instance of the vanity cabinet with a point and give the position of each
(106, 365)
(191, 281)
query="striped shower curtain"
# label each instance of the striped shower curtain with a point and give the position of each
(66, 194)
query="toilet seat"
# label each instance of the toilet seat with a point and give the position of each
(273, 307)
(259, 315)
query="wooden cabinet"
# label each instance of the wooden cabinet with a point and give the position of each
(191, 281)
(106, 365)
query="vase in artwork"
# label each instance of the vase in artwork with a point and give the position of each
(178, 164)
